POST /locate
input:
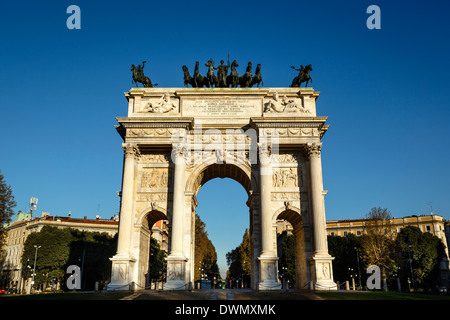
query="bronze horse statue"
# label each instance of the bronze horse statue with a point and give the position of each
(210, 76)
(303, 76)
(257, 78)
(138, 76)
(246, 79)
(233, 78)
(188, 80)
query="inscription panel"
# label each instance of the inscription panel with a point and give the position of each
(223, 107)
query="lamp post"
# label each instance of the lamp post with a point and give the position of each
(34, 268)
(410, 266)
(359, 270)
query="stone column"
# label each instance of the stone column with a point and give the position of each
(176, 261)
(320, 235)
(321, 268)
(268, 260)
(121, 262)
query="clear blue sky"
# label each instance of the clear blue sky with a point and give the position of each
(386, 93)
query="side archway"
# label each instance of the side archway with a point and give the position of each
(145, 222)
(293, 215)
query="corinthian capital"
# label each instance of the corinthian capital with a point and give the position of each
(264, 149)
(313, 149)
(130, 150)
(181, 152)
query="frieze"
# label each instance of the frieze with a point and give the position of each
(154, 158)
(284, 196)
(154, 177)
(286, 177)
(152, 197)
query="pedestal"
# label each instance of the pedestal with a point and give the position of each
(176, 271)
(268, 270)
(322, 273)
(120, 274)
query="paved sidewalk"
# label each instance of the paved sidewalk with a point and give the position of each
(237, 294)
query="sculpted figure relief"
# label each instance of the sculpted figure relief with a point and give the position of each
(164, 105)
(154, 178)
(283, 105)
(285, 177)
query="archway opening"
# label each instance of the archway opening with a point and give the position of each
(292, 265)
(153, 249)
(223, 208)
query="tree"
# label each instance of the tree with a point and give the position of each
(51, 256)
(421, 251)
(286, 264)
(7, 203)
(345, 252)
(377, 242)
(158, 264)
(61, 247)
(205, 259)
(239, 260)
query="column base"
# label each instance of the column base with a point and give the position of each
(268, 270)
(269, 285)
(176, 275)
(322, 272)
(120, 274)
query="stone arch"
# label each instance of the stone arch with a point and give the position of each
(150, 215)
(239, 172)
(293, 215)
(145, 221)
(209, 170)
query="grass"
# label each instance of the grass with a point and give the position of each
(68, 296)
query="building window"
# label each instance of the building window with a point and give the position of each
(428, 228)
(332, 233)
(345, 233)
(358, 233)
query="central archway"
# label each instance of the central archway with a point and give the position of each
(223, 214)
(241, 174)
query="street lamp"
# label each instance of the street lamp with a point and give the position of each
(359, 270)
(34, 268)
(410, 266)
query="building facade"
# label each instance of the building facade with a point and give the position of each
(23, 225)
(426, 223)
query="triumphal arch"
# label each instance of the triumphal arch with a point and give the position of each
(267, 139)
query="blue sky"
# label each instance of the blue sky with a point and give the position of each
(385, 92)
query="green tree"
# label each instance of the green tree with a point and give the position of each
(239, 260)
(7, 203)
(286, 264)
(426, 251)
(158, 265)
(60, 247)
(205, 257)
(51, 247)
(345, 251)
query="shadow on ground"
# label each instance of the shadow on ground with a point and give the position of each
(239, 294)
